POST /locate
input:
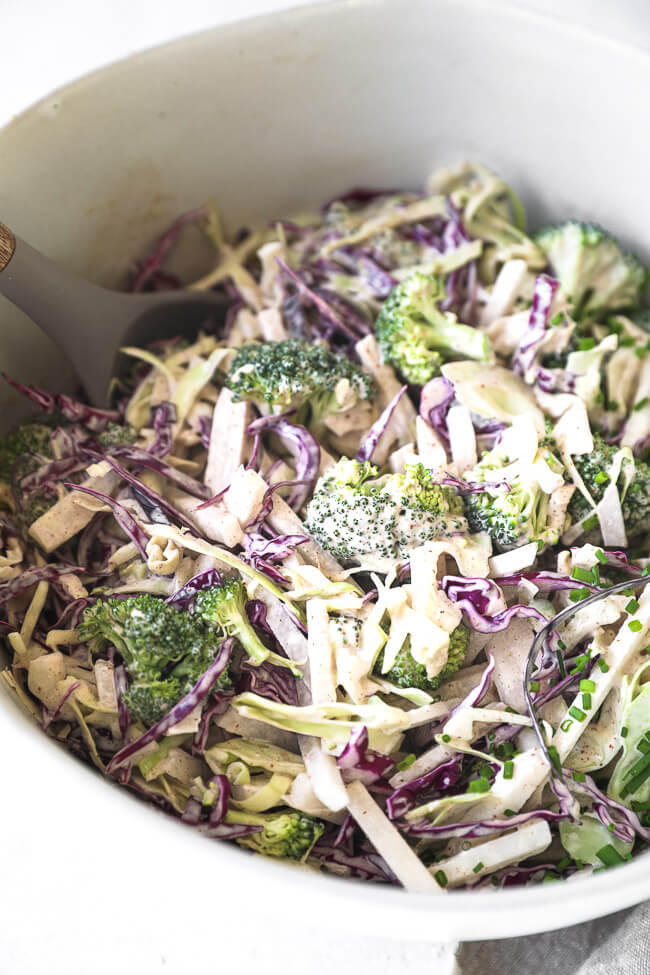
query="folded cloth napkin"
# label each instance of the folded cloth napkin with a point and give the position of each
(614, 945)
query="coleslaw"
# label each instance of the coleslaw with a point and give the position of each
(286, 588)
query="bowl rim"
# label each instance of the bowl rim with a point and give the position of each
(466, 915)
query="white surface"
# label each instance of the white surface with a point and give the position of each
(48, 900)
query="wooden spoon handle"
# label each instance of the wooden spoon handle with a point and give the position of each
(7, 246)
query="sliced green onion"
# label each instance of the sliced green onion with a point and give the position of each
(577, 713)
(587, 686)
(508, 770)
(635, 625)
(632, 606)
(479, 866)
(609, 856)
(441, 877)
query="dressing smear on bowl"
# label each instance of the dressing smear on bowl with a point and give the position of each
(286, 588)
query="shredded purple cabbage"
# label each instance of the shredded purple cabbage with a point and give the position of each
(374, 435)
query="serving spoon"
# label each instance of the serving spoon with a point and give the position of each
(90, 324)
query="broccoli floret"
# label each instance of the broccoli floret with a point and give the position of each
(224, 608)
(594, 272)
(416, 337)
(407, 672)
(32, 439)
(360, 517)
(151, 701)
(285, 833)
(117, 434)
(164, 651)
(595, 469)
(295, 374)
(511, 509)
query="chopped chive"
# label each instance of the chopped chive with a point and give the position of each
(563, 863)
(534, 685)
(577, 594)
(579, 777)
(509, 813)
(642, 402)
(479, 866)
(445, 738)
(485, 772)
(602, 477)
(586, 702)
(587, 685)
(555, 758)
(508, 769)
(590, 523)
(479, 785)
(600, 555)
(611, 827)
(566, 724)
(632, 606)
(405, 763)
(624, 732)
(582, 575)
(557, 319)
(627, 342)
(635, 625)
(584, 345)
(441, 877)
(609, 856)
(577, 713)
(602, 665)
(494, 881)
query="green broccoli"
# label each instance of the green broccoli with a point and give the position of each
(33, 439)
(416, 337)
(360, 517)
(117, 434)
(224, 608)
(594, 469)
(407, 672)
(513, 509)
(594, 272)
(295, 374)
(164, 651)
(285, 832)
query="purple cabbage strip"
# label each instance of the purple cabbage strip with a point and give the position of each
(229, 831)
(358, 194)
(143, 458)
(144, 490)
(205, 430)
(163, 417)
(219, 705)
(93, 418)
(124, 518)
(220, 807)
(71, 615)
(275, 549)
(473, 699)
(556, 380)
(320, 303)
(51, 473)
(545, 581)
(374, 435)
(273, 683)
(380, 282)
(345, 836)
(120, 681)
(304, 449)
(150, 265)
(181, 710)
(476, 597)
(368, 866)
(435, 399)
(357, 763)
(439, 779)
(48, 719)
(473, 487)
(484, 827)
(186, 595)
(625, 821)
(543, 295)
(30, 577)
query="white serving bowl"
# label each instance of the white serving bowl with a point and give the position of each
(268, 116)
